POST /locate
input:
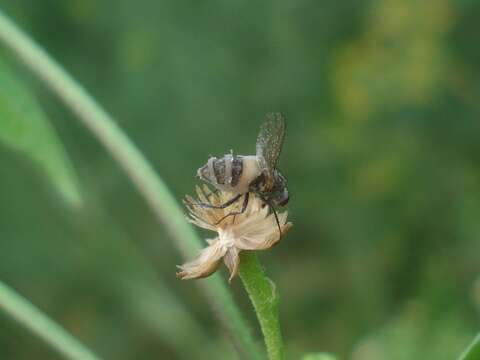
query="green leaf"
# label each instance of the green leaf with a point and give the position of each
(24, 312)
(25, 128)
(318, 356)
(473, 350)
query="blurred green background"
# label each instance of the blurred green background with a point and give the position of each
(382, 155)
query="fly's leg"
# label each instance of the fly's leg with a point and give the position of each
(276, 219)
(210, 206)
(274, 214)
(222, 206)
(235, 213)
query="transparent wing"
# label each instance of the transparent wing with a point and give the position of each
(270, 141)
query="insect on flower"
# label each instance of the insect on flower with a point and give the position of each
(258, 174)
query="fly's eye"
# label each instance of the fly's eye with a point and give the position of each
(284, 201)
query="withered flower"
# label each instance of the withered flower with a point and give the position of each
(254, 229)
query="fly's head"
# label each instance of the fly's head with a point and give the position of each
(279, 195)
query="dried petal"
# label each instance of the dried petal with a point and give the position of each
(232, 261)
(261, 234)
(201, 195)
(194, 219)
(205, 264)
(274, 237)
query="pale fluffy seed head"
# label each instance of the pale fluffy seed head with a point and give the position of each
(254, 229)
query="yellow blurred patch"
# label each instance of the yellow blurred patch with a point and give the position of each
(399, 60)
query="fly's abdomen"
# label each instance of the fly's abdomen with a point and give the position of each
(223, 173)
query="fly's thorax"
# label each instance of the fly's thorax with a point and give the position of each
(231, 173)
(271, 188)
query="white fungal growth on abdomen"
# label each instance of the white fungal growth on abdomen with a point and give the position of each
(232, 173)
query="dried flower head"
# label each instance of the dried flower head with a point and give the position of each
(254, 229)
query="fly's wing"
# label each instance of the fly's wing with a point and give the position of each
(270, 142)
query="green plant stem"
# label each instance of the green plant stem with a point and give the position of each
(473, 350)
(53, 334)
(144, 177)
(264, 297)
